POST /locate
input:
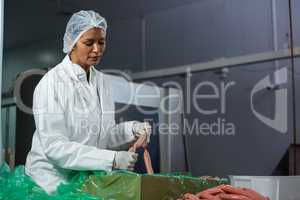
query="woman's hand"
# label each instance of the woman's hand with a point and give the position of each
(125, 160)
(142, 128)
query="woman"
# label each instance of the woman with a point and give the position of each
(74, 112)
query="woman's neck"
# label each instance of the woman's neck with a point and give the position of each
(76, 61)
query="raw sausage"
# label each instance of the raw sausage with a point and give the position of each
(142, 142)
(225, 192)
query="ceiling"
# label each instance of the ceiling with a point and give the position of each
(37, 20)
(123, 9)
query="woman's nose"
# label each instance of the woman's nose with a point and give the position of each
(96, 48)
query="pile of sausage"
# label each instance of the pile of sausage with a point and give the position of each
(225, 192)
(142, 142)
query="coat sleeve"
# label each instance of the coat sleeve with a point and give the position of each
(120, 137)
(50, 123)
(117, 136)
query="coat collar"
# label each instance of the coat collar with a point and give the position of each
(79, 76)
(76, 72)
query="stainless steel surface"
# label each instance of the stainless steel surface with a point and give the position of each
(219, 63)
(275, 187)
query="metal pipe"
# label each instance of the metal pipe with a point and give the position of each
(293, 86)
(1, 56)
(275, 34)
(143, 35)
(186, 109)
(274, 21)
(275, 79)
(144, 44)
(220, 63)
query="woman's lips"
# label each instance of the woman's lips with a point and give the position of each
(95, 58)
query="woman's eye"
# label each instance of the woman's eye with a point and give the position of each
(89, 44)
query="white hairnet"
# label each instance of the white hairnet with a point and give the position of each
(78, 24)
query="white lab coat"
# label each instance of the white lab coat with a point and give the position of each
(75, 126)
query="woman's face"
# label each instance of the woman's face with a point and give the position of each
(89, 48)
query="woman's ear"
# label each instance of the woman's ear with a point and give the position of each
(72, 50)
(75, 46)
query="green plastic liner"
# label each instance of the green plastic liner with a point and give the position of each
(101, 185)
